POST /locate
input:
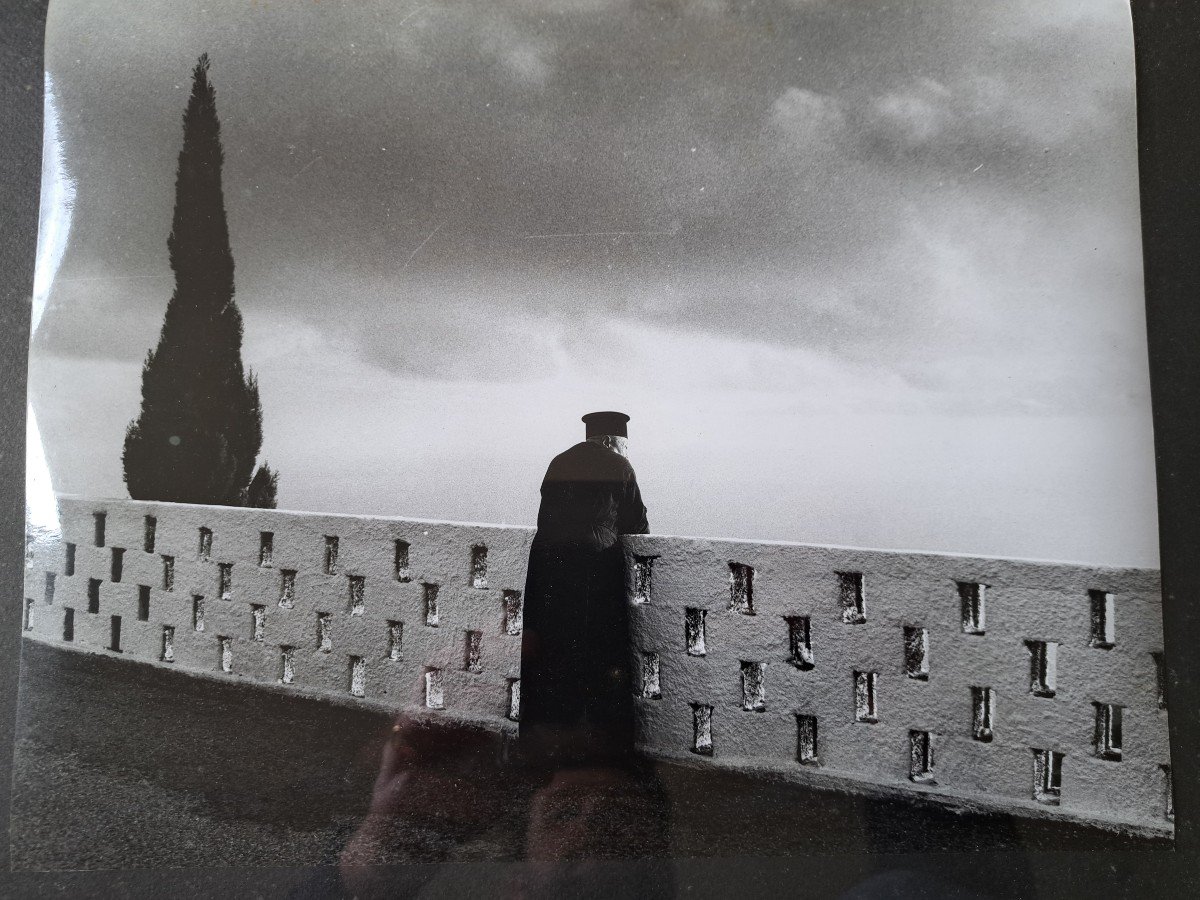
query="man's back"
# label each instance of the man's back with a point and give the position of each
(589, 498)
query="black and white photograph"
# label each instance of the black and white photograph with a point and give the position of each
(551, 432)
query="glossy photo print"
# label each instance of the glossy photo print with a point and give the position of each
(584, 436)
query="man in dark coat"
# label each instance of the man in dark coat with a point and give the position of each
(576, 680)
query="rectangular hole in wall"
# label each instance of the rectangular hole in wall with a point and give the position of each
(754, 686)
(1168, 787)
(143, 602)
(324, 635)
(258, 623)
(473, 653)
(1103, 619)
(395, 640)
(225, 581)
(479, 566)
(430, 592)
(741, 588)
(514, 612)
(916, 652)
(514, 700)
(694, 629)
(1043, 667)
(865, 701)
(983, 700)
(973, 599)
(149, 533)
(287, 671)
(358, 594)
(93, 595)
(48, 590)
(287, 588)
(69, 560)
(358, 676)
(205, 549)
(168, 644)
(114, 634)
(197, 613)
(800, 652)
(643, 578)
(851, 594)
(68, 631)
(1108, 736)
(651, 681)
(1047, 777)
(806, 739)
(117, 568)
(225, 658)
(266, 548)
(1160, 679)
(435, 697)
(27, 621)
(400, 567)
(920, 757)
(168, 572)
(98, 522)
(330, 563)
(702, 742)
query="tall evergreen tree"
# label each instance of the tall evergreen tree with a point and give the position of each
(200, 426)
(263, 488)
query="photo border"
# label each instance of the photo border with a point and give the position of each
(1167, 47)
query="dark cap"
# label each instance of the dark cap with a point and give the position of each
(601, 423)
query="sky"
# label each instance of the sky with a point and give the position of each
(863, 273)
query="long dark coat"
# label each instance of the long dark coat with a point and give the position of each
(575, 654)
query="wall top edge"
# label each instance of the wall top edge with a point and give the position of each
(648, 539)
(289, 513)
(891, 551)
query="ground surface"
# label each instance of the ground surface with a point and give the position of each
(123, 766)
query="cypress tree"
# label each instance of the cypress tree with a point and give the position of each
(200, 426)
(263, 488)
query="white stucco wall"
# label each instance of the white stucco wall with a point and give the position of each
(1023, 601)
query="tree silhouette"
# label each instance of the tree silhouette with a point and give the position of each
(263, 487)
(200, 426)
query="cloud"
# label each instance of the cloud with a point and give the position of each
(914, 117)
(848, 185)
(891, 245)
(810, 119)
(457, 340)
(522, 53)
(527, 63)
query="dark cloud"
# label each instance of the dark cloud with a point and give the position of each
(427, 179)
(882, 255)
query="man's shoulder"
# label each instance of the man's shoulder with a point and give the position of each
(592, 456)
